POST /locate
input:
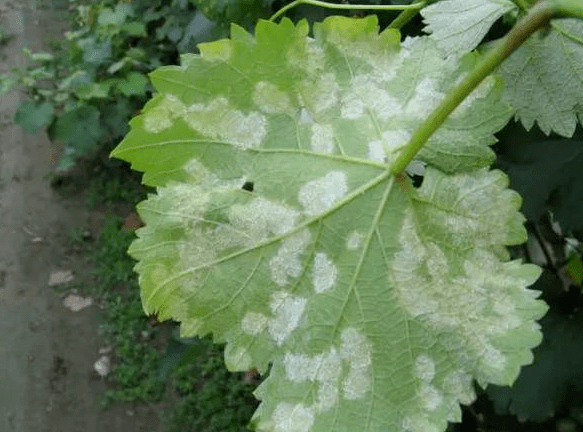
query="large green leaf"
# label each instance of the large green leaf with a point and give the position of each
(278, 227)
(544, 78)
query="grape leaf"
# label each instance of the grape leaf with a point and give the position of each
(31, 116)
(544, 78)
(458, 26)
(278, 227)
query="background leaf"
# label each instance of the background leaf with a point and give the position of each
(544, 78)
(31, 116)
(458, 26)
(80, 129)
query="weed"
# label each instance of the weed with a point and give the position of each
(212, 398)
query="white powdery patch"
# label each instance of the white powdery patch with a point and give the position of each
(319, 93)
(311, 59)
(288, 417)
(270, 99)
(322, 138)
(253, 323)
(217, 120)
(365, 95)
(319, 195)
(287, 311)
(301, 367)
(386, 149)
(357, 351)
(459, 384)
(163, 115)
(425, 368)
(324, 273)
(306, 117)
(324, 369)
(426, 98)
(430, 397)
(287, 264)
(256, 220)
(354, 241)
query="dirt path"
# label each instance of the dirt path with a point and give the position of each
(47, 382)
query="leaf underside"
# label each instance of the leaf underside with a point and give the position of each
(544, 78)
(278, 227)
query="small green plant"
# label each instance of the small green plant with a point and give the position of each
(86, 90)
(287, 225)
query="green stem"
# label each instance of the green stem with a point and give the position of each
(538, 17)
(522, 4)
(405, 16)
(414, 6)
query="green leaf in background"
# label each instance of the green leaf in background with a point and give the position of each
(31, 116)
(115, 18)
(93, 90)
(134, 84)
(558, 183)
(278, 227)
(544, 78)
(79, 129)
(95, 52)
(135, 29)
(541, 388)
(237, 11)
(472, 18)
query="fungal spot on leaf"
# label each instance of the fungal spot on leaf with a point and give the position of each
(366, 95)
(259, 218)
(319, 195)
(287, 310)
(425, 368)
(387, 148)
(323, 369)
(478, 93)
(322, 138)
(253, 323)
(163, 115)
(426, 98)
(324, 273)
(357, 351)
(217, 120)
(270, 99)
(287, 264)
(288, 417)
(430, 397)
(354, 241)
(319, 93)
(459, 383)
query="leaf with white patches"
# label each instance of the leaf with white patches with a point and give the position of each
(376, 303)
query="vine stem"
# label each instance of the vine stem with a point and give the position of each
(538, 17)
(415, 7)
(405, 16)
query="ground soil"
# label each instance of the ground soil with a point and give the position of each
(47, 352)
